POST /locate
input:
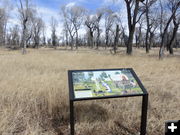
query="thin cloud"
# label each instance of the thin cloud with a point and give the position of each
(71, 4)
(107, 2)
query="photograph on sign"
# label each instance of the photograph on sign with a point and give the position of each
(87, 84)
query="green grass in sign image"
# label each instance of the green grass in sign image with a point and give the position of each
(98, 90)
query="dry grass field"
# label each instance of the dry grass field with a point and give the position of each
(34, 93)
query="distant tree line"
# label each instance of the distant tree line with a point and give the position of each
(150, 23)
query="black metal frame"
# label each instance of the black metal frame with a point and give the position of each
(144, 95)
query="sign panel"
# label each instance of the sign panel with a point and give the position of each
(103, 83)
(106, 83)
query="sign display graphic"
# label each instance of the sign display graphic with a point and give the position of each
(87, 84)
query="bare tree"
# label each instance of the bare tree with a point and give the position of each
(66, 35)
(5, 7)
(43, 33)
(77, 14)
(90, 23)
(174, 7)
(138, 32)
(98, 17)
(161, 17)
(68, 26)
(2, 25)
(54, 25)
(112, 20)
(133, 15)
(148, 4)
(49, 41)
(93, 24)
(37, 29)
(73, 20)
(25, 13)
(15, 36)
(153, 28)
(176, 22)
(109, 17)
(116, 38)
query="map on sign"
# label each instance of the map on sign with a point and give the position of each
(88, 84)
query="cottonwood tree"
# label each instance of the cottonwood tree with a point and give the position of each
(77, 15)
(116, 31)
(116, 39)
(97, 20)
(2, 25)
(43, 34)
(37, 29)
(162, 16)
(25, 13)
(147, 5)
(15, 36)
(109, 19)
(65, 34)
(73, 20)
(49, 41)
(175, 5)
(138, 32)
(152, 29)
(29, 33)
(68, 26)
(123, 35)
(176, 22)
(5, 7)
(54, 25)
(133, 16)
(90, 24)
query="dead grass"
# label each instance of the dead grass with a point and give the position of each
(34, 93)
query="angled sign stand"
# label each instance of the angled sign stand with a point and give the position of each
(106, 83)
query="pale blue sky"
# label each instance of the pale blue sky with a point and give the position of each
(89, 4)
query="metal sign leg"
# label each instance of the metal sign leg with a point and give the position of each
(72, 117)
(144, 114)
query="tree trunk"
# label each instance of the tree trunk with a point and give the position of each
(116, 39)
(161, 51)
(72, 41)
(4, 33)
(171, 50)
(91, 38)
(67, 43)
(76, 30)
(24, 43)
(77, 43)
(173, 38)
(151, 40)
(147, 43)
(107, 39)
(130, 41)
(132, 20)
(148, 27)
(98, 36)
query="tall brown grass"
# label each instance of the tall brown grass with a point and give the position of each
(34, 93)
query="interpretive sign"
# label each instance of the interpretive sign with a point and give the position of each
(105, 83)
(87, 84)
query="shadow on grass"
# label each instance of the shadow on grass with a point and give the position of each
(60, 119)
(90, 113)
(87, 113)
